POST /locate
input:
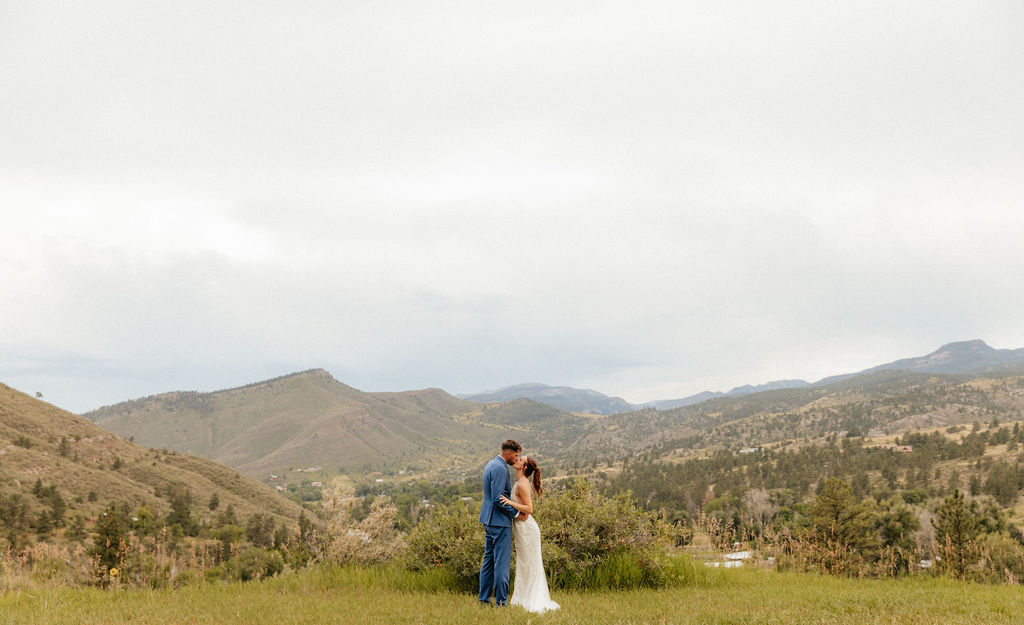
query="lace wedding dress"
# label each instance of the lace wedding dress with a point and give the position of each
(531, 584)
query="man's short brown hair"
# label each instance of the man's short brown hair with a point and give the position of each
(511, 445)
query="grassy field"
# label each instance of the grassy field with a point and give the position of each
(376, 596)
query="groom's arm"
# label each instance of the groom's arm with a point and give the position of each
(497, 481)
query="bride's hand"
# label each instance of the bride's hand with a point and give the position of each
(505, 500)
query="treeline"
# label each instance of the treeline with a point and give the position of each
(839, 533)
(934, 468)
(879, 402)
(414, 500)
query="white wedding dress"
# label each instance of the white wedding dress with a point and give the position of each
(531, 584)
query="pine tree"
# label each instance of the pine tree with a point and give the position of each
(44, 524)
(838, 517)
(896, 527)
(956, 527)
(57, 507)
(111, 527)
(181, 512)
(75, 529)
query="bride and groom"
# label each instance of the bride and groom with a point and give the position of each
(507, 512)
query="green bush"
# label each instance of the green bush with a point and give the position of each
(594, 541)
(1003, 559)
(589, 541)
(255, 563)
(451, 539)
(188, 577)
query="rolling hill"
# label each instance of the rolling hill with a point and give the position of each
(309, 418)
(91, 467)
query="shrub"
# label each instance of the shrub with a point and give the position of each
(594, 541)
(452, 539)
(255, 563)
(185, 578)
(1003, 559)
(301, 548)
(373, 540)
(915, 496)
(228, 535)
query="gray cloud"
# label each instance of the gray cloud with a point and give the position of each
(651, 201)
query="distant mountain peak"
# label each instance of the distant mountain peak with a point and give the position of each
(314, 374)
(973, 345)
(959, 357)
(564, 398)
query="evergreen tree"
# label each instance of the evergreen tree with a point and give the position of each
(181, 512)
(305, 528)
(227, 517)
(260, 530)
(75, 529)
(1002, 484)
(44, 524)
(896, 527)
(838, 517)
(111, 528)
(957, 525)
(281, 536)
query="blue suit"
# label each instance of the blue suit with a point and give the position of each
(497, 519)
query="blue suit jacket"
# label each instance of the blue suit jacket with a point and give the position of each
(496, 484)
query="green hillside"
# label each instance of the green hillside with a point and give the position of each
(872, 404)
(311, 419)
(44, 447)
(896, 437)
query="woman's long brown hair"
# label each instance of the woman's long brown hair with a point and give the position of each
(531, 469)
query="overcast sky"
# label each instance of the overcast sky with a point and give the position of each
(648, 199)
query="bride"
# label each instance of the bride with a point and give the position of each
(531, 585)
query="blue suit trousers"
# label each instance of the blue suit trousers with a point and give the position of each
(494, 569)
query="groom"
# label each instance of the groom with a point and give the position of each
(497, 519)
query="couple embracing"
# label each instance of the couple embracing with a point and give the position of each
(507, 512)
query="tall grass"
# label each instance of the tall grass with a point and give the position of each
(624, 570)
(151, 562)
(379, 595)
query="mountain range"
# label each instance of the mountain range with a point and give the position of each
(562, 397)
(954, 358)
(309, 418)
(215, 443)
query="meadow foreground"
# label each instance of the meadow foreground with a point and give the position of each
(378, 596)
